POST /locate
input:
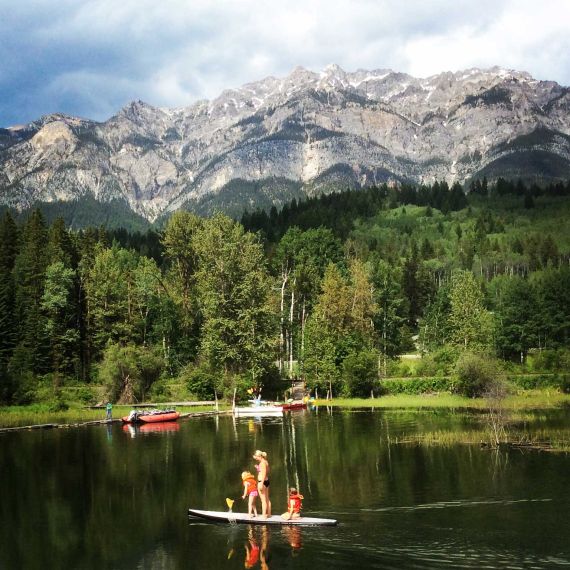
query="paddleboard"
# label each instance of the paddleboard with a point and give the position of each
(226, 517)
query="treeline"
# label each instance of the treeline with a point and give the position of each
(338, 210)
(216, 307)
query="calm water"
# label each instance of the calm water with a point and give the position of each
(108, 497)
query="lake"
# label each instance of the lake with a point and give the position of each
(117, 497)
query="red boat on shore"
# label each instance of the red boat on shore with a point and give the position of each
(151, 417)
(295, 405)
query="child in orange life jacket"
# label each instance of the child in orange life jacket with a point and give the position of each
(250, 489)
(294, 505)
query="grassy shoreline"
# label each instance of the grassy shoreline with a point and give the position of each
(35, 414)
(523, 400)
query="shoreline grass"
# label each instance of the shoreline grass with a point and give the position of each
(523, 400)
(36, 414)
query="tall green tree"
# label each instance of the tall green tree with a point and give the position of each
(299, 264)
(390, 316)
(470, 322)
(239, 329)
(59, 308)
(112, 314)
(435, 326)
(8, 323)
(182, 258)
(553, 302)
(8, 252)
(516, 318)
(29, 277)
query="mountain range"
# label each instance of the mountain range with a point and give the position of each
(270, 141)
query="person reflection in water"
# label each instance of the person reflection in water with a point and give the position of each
(257, 550)
(293, 536)
(264, 552)
(251, 550)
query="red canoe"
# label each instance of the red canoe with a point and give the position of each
(151, 417)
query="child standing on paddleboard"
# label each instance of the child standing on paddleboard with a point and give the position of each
(294, 505)
(250, 490)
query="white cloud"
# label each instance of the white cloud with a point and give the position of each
(172, 52)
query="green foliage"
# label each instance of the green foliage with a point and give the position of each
(414, 386)
(535, 381)
(397, 270)
(359, 373)
(475, 374)
(470, 323)
(239, 327)
(128, 372)
(200, 381)
(441, 362)
(550, 360)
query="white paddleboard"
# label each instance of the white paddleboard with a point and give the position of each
(227, 517)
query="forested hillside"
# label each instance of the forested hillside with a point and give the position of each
(331, 289)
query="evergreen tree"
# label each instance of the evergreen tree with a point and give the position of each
(8, 252)
(516, 319)
(29, 277)
(435, 325)
(390, 316)
(8, 323)
(58, 307)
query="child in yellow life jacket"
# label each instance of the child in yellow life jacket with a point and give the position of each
(250, 490)
(294, 505)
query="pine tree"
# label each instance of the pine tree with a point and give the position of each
(29, 277)
(8, 252)
(59, 308)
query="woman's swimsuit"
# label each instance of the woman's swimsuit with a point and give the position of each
(266, 482)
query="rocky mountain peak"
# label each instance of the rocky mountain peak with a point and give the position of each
(267, 141)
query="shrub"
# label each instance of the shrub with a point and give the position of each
(415, 386)
(550, 360)
(475, 374)
(199, 380)
(359, 372)
(438, 363)
(129, 371)
(160, 391)
(534, 381)
(565, 384)
(57, 405)
(85, 395)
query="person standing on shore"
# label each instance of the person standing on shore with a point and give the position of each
(109, 410)
(263, 482)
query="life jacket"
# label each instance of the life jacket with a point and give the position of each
(251, 485)
(297, 504)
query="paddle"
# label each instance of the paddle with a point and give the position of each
(230, 503)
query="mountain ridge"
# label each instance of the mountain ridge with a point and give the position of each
(313, 130)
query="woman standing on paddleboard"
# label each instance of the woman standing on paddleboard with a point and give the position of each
(263, 482)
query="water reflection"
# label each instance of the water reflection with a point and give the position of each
(135, 430)
(399, 505)
(293, 535)
(257, 547)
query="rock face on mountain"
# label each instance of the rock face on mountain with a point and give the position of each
(269, 141)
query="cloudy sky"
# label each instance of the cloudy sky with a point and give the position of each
(91, 57)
